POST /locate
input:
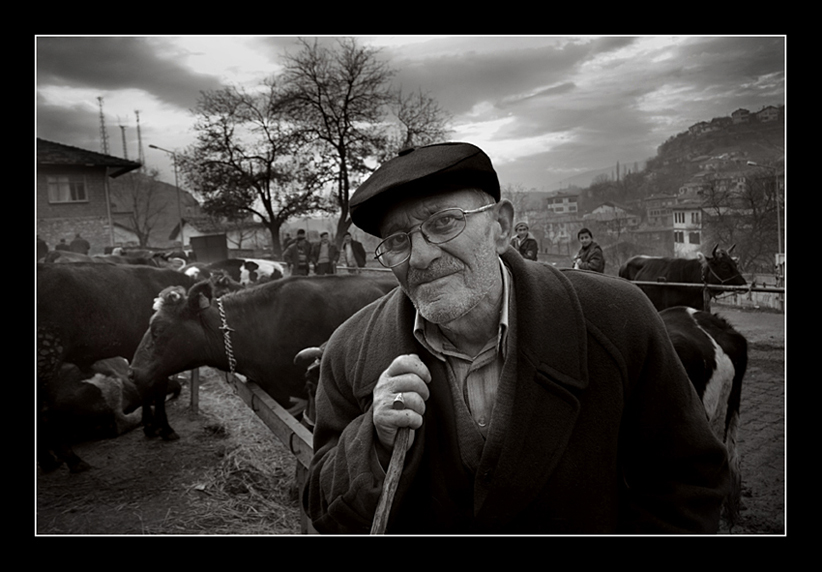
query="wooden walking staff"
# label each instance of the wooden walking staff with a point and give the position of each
(392, 476)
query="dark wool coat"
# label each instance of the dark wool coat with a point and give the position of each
(596, 428)
(591, 258)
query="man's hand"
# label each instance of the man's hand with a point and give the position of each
(409, 376)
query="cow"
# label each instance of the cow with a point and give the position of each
(99, 402)
(157, 259)
(718, 269)
(255, 331)
(715, 356)
(87, 312)
(243, 270)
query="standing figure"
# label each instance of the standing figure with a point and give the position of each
(298, 255)
(352, 254)
(524, 242)
(324, 255)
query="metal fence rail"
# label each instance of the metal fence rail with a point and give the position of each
(708, 288)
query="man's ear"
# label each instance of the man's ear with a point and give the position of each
(504, 213)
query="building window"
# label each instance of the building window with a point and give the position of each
(693, 238)
(695, 217)
(67, 189)
(679, 237)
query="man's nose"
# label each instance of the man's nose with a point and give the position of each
(423, 253)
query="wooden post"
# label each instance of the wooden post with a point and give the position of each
(706, 298)
(195, 390)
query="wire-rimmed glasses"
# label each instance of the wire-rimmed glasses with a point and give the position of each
(439, 228)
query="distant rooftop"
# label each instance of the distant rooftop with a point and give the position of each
(51, 153)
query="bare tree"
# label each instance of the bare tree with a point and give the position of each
(247, 160)
(342, 100)
(420, 121)
(138, 202)
(745, 216)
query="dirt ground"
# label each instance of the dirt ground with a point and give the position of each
(228, 474)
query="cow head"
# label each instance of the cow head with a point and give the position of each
(721, 267)
(175, 337)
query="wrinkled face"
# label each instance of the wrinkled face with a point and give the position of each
(585, 239)
(446, 281)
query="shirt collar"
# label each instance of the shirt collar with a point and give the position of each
(432, 339)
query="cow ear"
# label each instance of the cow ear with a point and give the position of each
(170, 296)
(200, 295)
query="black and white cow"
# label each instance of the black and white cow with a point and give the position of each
(715, 357)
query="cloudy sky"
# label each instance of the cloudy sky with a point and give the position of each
(544, 108)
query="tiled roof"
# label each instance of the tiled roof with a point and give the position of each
(51, 153)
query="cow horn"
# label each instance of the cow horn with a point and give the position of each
(713, 252)
(308, 354)
(731, 249)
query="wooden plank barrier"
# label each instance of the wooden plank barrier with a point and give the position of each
(285, 427)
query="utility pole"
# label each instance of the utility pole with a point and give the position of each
(103, 133)
(140, 156)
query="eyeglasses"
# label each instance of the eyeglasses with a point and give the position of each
(439, 228)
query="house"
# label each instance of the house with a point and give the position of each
(769, 113)
(658, 214)
(687, 217)
(73, 194)
(247, 236)
(614, 216)
(741, 116)
(563, 203)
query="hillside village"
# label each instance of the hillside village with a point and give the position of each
(707, 185)
(702, 188)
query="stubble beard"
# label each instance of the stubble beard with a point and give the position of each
(461, 295)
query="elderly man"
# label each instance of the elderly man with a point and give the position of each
(540, 401)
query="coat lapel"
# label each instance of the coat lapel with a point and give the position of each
(537, 405)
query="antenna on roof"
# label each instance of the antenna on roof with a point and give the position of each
(140, 157)
(125, 148)
(103, 133)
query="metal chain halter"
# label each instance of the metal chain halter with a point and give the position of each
(232, 363)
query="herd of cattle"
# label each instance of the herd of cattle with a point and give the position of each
(113, 332)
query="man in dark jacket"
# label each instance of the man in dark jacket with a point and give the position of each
(539, 401)
(298, 255)
(352, 254)
(524, 242)
(590, 255)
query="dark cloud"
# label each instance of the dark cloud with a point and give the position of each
(110, 63)
(77, 125)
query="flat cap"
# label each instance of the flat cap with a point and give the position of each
(420, 172)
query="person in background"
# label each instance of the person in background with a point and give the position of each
(298, 255)
(524, 242)
(538, 400)
(79, 244)
(324, 255)
(352, 254)
(590, 256)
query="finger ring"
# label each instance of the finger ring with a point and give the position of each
(399, 402)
